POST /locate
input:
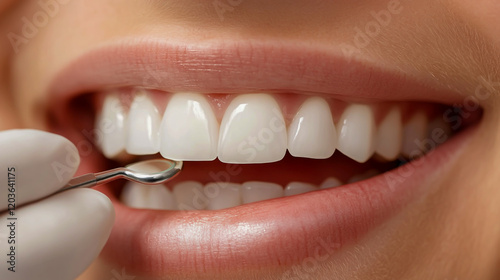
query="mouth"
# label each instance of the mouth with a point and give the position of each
(290, 153)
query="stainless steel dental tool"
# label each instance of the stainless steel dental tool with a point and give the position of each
(149, 172)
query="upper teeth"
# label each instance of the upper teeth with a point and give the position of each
(389, 135)
(111, 122)
(312, 132)
(143, 127)
(357, 132)
(189, 130)
(415, 131)
(252, 130)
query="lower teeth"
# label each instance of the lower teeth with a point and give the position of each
(192, 195)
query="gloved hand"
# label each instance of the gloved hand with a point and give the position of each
(56, 237)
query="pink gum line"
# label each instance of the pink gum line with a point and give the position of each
(289, 103)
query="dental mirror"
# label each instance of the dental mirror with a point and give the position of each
(149, 172)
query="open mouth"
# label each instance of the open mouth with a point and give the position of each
(252, 129)
(289, 153)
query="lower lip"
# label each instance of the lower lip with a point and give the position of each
(273, 233)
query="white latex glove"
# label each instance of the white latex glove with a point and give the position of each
(58, 237)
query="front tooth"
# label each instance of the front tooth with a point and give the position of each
(252, 131)
(189, 130)
(111, 123)
(295, 188)
(312, 133)
(222, 195)
(189, 196)
(137, 195)
(258, 191)
(143, 127)
(357, 132)
(390, 135)
(330, 182)
(414, 133)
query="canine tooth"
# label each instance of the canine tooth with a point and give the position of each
(295, 188)
(414, 133)
(137, 195)
(330, 182)
(189, 196)
(189, 130)
(390, 135)
(143, 127)
(252, 131)
(258, 191)
(312, 133)
(356, 132)
(111, 125)
(223, 195)
(363, 176)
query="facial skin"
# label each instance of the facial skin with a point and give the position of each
(453, 233)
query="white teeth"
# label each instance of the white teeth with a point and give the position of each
(111, 125)
(189, 196)
(312, 133)
(356, 132)
(414, 133)
(147, 197)
(189, 130)
(143, 127)
(330, 183)
(252, 131)
(258, 191)
(295, 188)
(223, 195)
(390, 135)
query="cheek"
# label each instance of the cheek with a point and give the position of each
(483, 14)
(5, 4)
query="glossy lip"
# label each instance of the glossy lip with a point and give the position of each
(322, 222)
(236, 67)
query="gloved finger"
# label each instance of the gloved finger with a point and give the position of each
(33, 164)
(56, 238)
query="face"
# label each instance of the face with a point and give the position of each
(255, 97)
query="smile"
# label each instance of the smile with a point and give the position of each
(290, 153)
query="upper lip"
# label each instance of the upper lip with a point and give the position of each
(238, 67)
